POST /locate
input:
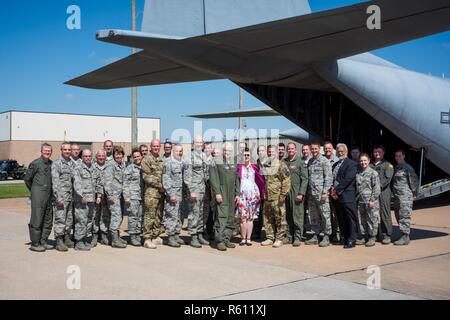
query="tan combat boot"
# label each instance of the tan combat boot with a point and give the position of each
(149, 244)
(277, 244)
(267, 242)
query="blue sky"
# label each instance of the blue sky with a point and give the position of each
(38, 53)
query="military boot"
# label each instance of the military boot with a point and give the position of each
(287, 240)
(360, 242)
(371, 242)
(277, 244)
(46, 245)
(229, 244)
(158, 241)
(60, 244)
(81, 246)
(172, 242)
(194, 241)
(37, 247)
(135, 240)
(94, 240)
(296, 243)
(149, 244)
(68, 242)
(104, 239)
(221, 246)
(179, 240)
(116, 243)
(267, 242)
(312, 241)
(202, 240)
(403, 241)
(386, 239)
(122, 240)
(325, 241)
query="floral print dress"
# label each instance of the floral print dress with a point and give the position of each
(248, 208)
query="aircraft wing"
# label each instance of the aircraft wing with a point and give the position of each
(270, 51)
(339, 33)
(237, 113)
(139, 69)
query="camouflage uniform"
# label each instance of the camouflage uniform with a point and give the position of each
(368, 190)
(385, 172)
(224, 180)
(102, 217)
(320, 181)
(152, 168)
(133, 186)
(113, 185)
(86, 186)
(62, 179)
(296, 210)
(404, 186)
(174, 175)
(77, 162)
(38, 180)
(196, 183)
(278, 183)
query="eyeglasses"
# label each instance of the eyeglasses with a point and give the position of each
(246, 155)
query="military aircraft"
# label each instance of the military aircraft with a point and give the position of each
(312, 68)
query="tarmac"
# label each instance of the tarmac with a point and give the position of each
(417, 271)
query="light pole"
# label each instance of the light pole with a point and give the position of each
(134, 129)
(241, 120)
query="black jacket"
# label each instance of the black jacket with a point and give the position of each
(346, 181)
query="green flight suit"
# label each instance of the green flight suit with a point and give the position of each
(224, 181)
(295, 210)
(38, 180)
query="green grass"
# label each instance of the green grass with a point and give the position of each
(15, 190)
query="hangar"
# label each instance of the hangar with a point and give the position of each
(22, 132)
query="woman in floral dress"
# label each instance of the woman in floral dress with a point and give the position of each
(252, 189)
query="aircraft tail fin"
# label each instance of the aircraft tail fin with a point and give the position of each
(191, 18)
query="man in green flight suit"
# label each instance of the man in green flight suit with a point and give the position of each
(38, 180)
(295, 209)
(224, 180)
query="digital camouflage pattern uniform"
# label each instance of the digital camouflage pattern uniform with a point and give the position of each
(295, 210)
(152, 168)
(320, 182)
(197, 177)
(224, 181)
(385, 172)
(38, 180)
(87, 186)
(368, 190)
(62, 184)
(133, 186)
(278, 183)
(174, 175)
(404, 185)
(113, 186)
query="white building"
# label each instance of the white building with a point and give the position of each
(22, 133)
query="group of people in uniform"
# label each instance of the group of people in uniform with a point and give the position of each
(312, 197)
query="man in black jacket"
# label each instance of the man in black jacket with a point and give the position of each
(344, 191)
